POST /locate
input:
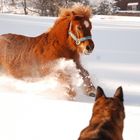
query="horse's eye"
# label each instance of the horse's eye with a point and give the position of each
(79, 28)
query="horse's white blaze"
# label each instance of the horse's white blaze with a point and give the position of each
(86, 23)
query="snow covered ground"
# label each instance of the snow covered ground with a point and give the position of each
(26, 112)
(29, 117)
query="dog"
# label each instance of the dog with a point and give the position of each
(107, 119)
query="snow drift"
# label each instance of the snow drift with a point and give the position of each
(25, 115)
(49, 85)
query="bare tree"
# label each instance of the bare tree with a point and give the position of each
(24, 3)
(13, 2)
(46, 7)
(106, 7)
(1, 5)
(40, 7)
(51, 7)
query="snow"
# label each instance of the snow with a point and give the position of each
(25, 116)
(49, 85)
(27, 110)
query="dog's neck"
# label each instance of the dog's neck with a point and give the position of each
(105, 128)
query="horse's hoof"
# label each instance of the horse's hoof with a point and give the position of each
(92, 94)
(90, 91)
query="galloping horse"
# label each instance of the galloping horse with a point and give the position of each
(70, 36)
(107, 119)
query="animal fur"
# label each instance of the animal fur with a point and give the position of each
(107, 118)
(23, 56)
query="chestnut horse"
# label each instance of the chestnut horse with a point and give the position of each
(70, 36)
(107, 118)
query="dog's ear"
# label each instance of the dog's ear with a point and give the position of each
(99, 93)
(119, 93)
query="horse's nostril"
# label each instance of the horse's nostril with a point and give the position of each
(90, 48)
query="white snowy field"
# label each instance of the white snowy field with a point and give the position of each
(30, 117)
(26, 112)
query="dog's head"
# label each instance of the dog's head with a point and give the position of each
(110, 108)
(107, 117)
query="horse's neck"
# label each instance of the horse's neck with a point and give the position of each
(50, 45)
(59, 31)
(55, 41)
(59, 35)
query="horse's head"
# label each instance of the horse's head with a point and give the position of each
(80, 34)
(79, 28)
(110, 108)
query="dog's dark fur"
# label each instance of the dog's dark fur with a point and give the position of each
(107, 119)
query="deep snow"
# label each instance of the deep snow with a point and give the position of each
(26, 112)
(30, 117)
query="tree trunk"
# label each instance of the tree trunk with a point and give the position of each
(25, 7)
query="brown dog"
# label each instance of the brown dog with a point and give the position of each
(107, 119)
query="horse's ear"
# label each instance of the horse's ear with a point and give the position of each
(99, 93)
(119, 94)
(72, 14)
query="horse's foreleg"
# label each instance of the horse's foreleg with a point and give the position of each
(88, 85)
(65, 79)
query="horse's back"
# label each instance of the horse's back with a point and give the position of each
(14, 52)
(11, 45)
(10, 40)
(13, 40)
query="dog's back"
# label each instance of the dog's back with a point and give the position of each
(107, 119)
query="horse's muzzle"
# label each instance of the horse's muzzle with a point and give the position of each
(90, 48)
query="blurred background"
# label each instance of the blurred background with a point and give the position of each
(115, 62)
(51, 7)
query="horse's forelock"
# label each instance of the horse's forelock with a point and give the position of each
(77, 9)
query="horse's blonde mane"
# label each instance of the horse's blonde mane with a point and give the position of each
(77, 9)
